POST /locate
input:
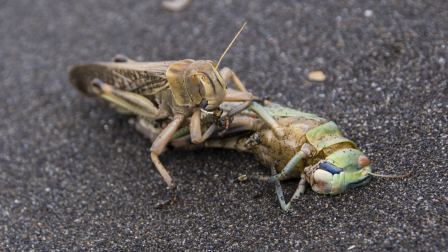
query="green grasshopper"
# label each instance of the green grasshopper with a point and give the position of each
(312, 149)
(159, 90)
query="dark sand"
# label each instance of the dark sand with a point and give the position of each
(75, 175)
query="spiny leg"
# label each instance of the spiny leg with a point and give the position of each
(149, 128)
(243, 96)
(180, 140)
(195, 128)
(278, 189)
(260, 111)
(240, 124)
(186, 130)
(299, 192)
(157, 148)
(264, 114)
(288, 168)
(307, 151)
(247, 123)
(228, 74)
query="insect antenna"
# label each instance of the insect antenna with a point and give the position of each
(392, 176)
(216, 68)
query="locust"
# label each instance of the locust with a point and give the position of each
(312, 149)
(173, 90)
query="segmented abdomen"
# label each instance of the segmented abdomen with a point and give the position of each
(269, 148)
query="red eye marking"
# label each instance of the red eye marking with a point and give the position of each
(363, 161)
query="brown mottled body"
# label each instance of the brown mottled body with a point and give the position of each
(144, 78)
(174, 90)
(269, 148)
(160, 90)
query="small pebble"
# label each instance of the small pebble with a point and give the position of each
(317, 76)
(368, 13)
(242, 178)
(175, 5)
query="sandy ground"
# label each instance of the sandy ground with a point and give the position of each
(75, 175)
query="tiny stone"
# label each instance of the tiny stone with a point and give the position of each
(175, 5)
(242, 178)
(316, 76)
(368, 13)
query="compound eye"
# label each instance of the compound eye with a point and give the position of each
(212, 63)
(332, 169)
(194, 77)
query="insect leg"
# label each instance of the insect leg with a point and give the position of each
(278, 189)
(195, 128)
(307, 151)
(259, 110)
(288, 168)
(300, 189)
(264, 114)
(149, 128)
(248, 123)
(186, 130)
(244, 97)
(160, 143)
(129, 101)
(240, 126)
(227, 74)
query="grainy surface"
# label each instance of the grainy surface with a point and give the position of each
(75, 175)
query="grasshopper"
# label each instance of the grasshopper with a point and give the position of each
(161, 90)
(312, 149)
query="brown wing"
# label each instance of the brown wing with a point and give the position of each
(145, 78)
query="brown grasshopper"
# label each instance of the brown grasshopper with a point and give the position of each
(160, 90)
